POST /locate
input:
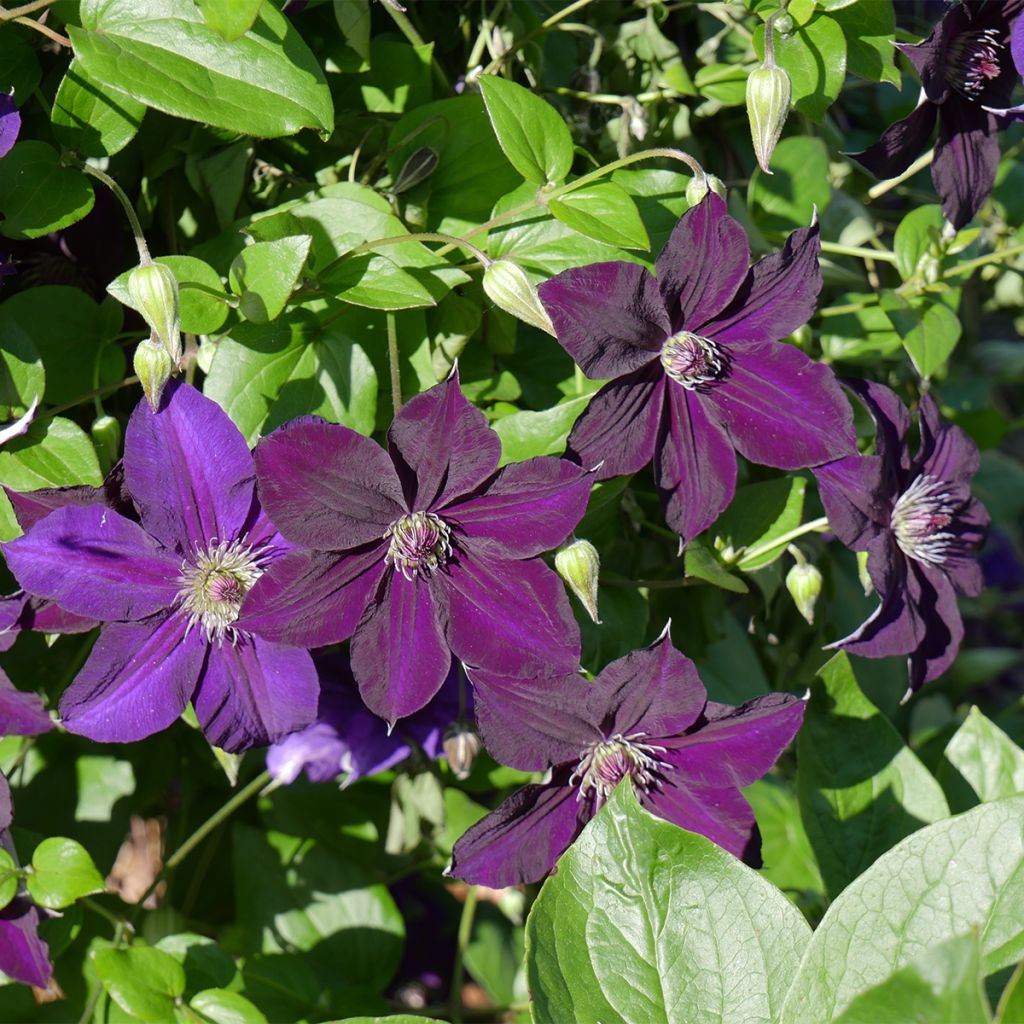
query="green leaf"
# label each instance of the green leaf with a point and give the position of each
(494, 954)
(869, 29)
(399, 76)
(62, 871)
(100, 781)
(918, 230)
(202, 301)
(603, 211)
(530, 131)
(223, 1007)
(759, 513)
(987, 758)
(698, 934)
(353, 19)
(861, 788)
(930, 330)
(798, 184)
(231, 18)
(162, 53)
(144, 982)
(88, 119)
(264, 274)
(22, 377)
(1011, 1004)
(942, 986)
(526, 434)
(401, 1018)
(700, 561)
(38, 194)
(723, 83)
(963, 873)
(8, 878)
(21, 68)
(54, 453)
(789, 861)
(864, 334)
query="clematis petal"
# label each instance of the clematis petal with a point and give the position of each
(442, 446)
(510, 617)
(945, 452)
(944, 628)
(851, 492)
(616, 433)
(10, 123)
(31, 506)
(781, 408)
(46, 617)
(21, 713)
(610, 317)
(400, 657)
(326, 487)
(12, 609)
(313, 598)
(892, 423)
(530, 507)
(95, 563)
(901, 143)
(929, 56)
(188, 470)
(966, 159)
(6, 805)
(704, 262)
(961, 564)
(779, 294)
(694, 464)
(721, 815)
(1017, 45)
(24, 956)
(137, 681)
(253, 692)
(522, 839)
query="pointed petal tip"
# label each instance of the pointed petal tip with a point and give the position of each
(807, 695)
(665, 634)
(906, 697)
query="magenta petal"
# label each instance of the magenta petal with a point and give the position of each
(24, 956)
(522, 839)
(13, 608)
(137, 681)
(616, 433)
(929, 56)
(313, 598)
(442, 446)
(44, 616)
(782, 409)
(400, 657)
(694, 465)
(10, 124)
(703, 263)
(254, 692)
(95, 563)
(892, 422)
(510, 617)
(945, 628)
(529, 508)
(722, 815)
(188, 470)
(945, 452)
(610, 317)
(901, 143)
(31, 506)
(326, 487)
(966, 159)
(21, 713)
(854, 502)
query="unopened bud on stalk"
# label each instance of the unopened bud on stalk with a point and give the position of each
(421, 164)
(106, 436)
(153, 367)
(768, 94)
(508, 287)
(803, 582)
(700, 185)
(154, 292)
(579, 564)
(461, 745)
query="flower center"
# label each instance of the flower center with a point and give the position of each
(691, 360)
(214, 583)
(420, 542)
(919, 520)
(605, 763)
(973, 60)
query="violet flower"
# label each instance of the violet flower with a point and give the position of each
(920, 526)
(169, 588)
(417, 552)
(10, 125)
(646, 717)
(696, 365)
(21, 713)
(965, 68)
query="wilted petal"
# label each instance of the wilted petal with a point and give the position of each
(610, 317)
(851, 492)
(24, 956)
(21, 713)
(10, 125)
(522, 839)
(95, 563)
(137, 681)
(936, 602)
(966, 159)
(326, 487)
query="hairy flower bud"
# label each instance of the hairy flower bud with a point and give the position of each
(153, 367)
(508, 287)
(461, 745)
(154, 292)
(803, 582)
(768, 94)
(106, 436)
(579, 564)
(700, 185)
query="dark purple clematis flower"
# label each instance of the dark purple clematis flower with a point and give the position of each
(646, 717)
(920, 526)
(169, 588)
(10, 124)
(697, 368)
(965, 67)
(346, 739)
(418, 552)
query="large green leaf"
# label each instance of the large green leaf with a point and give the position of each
(919, 229)
(263, 275)
(53, 453)
(987, 758)
(62, 871)
(603, 211)
(231, 18)
(38, 194)
(22, 377)
(869, 27)
(644, 922)
(223, 1007)
(526, 434)
(797, 185)
(861, 788)
(759, 514)
(929, 330)
(87, 118)
(960, 874)
(163, 53)
(144, 982)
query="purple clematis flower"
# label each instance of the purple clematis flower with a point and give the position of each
(965, 69)
(347, 739)
(697, 368)
(169, 588)
(645, 717)
(920, 526)
(10, 124)
(418, 552)
(21, 713)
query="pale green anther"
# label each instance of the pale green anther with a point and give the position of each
(700, 185)
(579, 564)
(154, 293)
(768, 94)
(508, 287)
(153, 367)
(803, 582)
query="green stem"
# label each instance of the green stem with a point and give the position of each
(992, 257)
(882, 255)
(97, 908)
(408, 29)
(850, 307)
(94, 997)
(45, 30)
(814, 526)
(885, 186)
(673, 584)
(140, 238)
(465, 934)
(29, 8)
(393, 364)
(533, 33)
(418, 236)
(487, 23)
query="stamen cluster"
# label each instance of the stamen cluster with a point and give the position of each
(973, 60)
(919, 518)
(214, 583)
(605, 763)
(420, 543)
(691, 360)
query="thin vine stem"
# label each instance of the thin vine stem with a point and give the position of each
(394, 365)
(408, 29)
(886, 186)
(45, 30)
(465, 934)
(29, 8)
(122, 198)
(814, 526)
(882, 255)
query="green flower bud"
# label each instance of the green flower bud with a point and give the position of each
(461, 745)
(420, 165)
(579, 564)
(803, 582)
(508, 287)
(154, 292)
(700, 185)
(768, 93)
(153, 367)
(106, 436)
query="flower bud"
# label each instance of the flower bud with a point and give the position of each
(508, 287)
(461, 745)
(154, 292)
(106, 436)
(579, 564)
(768, 93)
(421, 164)
(700, 185)
(803, 582)
(153, 367)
